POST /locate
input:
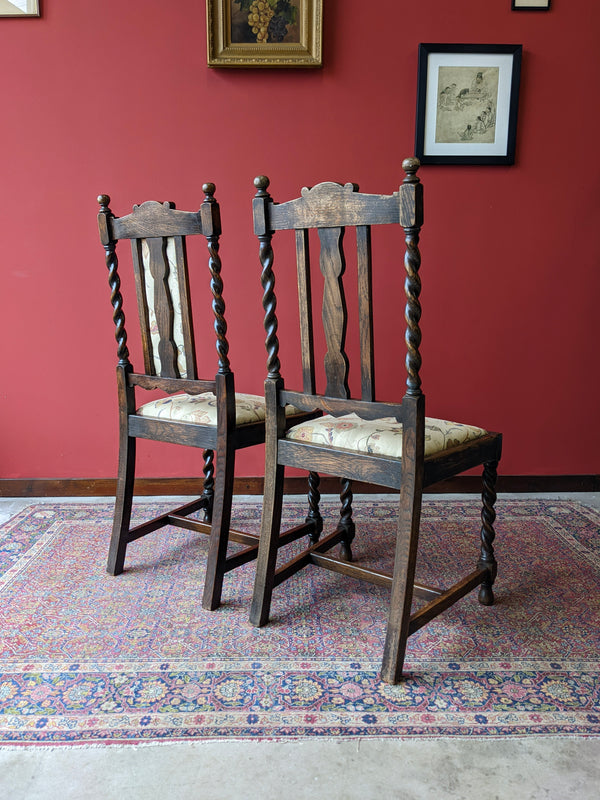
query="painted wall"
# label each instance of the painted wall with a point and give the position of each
(116, 97)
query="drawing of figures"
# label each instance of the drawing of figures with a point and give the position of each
(447, 97)
(443, 98)
(479, 87)
(479, 126)
(467, 104)
(462, 99)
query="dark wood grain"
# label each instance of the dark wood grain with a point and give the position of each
(365, 312)
(307, 345)
(330, 208)
(158, 234)
(334, 313)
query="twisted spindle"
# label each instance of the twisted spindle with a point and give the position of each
(314, 499)
(412, 285)
(208, 490)
(488, 516)
(267, 280)
(346, 522)
(216, 285)
(116, 299)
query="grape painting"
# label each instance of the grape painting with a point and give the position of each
(264, 21)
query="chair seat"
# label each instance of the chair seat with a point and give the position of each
(201, 409)
(381, 436)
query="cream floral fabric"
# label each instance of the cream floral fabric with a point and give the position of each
(202, 408)
(177, 319)
(380, 436)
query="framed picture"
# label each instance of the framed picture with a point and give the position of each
(530, 5)
(264, 33)
(467, 102)
(19, 8)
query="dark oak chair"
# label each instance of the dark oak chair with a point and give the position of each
(390, 444)
(197, 412)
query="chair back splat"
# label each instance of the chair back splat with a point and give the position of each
(389, 444)
(204, 412)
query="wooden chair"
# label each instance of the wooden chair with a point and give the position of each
(393, 445)
(204, 413)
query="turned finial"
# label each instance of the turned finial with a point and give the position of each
(209, 190)
(103, 200)
(262, 184)
(410, 166)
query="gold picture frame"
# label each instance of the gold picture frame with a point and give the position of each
(19, 8)
(264, 33)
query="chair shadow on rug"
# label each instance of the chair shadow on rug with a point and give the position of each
(206, 413)
(390, 444)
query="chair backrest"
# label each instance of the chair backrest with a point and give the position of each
(158, 232)
(331, 208)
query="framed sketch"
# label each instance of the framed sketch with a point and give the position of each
(264, 33)
(19, 8)
(467, 103)
(530, 5)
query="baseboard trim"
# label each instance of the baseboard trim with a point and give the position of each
(106, 487)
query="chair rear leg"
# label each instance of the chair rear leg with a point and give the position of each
(267, 548)
(123, 502)
(314, 499)
(346, 524)
(219, 534)
(208, 490)
(488, 516)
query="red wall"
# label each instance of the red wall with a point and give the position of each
(116, 97)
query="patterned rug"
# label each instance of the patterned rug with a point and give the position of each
(87, 658)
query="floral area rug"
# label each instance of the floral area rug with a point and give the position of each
(88, 658)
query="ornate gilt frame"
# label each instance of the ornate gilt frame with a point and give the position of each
(223, 52)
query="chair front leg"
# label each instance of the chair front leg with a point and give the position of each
(488, 516)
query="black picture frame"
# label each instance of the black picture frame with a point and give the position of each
(530, 5)
(467, 103)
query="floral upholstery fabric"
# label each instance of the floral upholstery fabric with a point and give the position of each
(380, 436)
(173, 282)
(202, 408)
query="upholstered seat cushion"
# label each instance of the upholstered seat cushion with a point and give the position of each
(380, 436)
(202, 408)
